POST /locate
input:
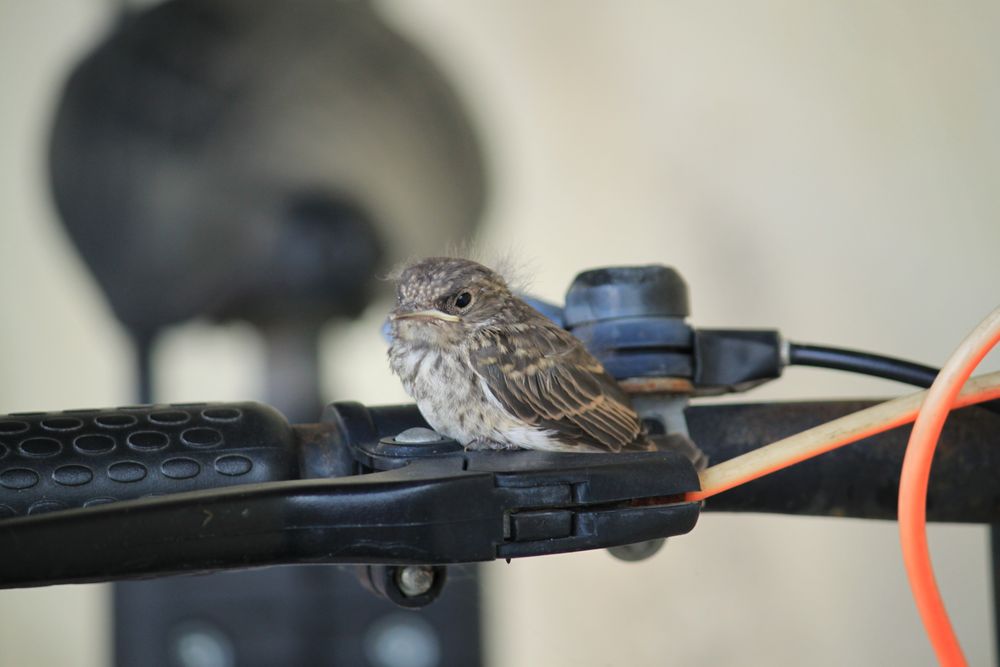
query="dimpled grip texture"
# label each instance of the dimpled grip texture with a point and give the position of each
(80, 458)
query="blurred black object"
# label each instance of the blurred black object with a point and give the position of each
(262, 161)
(258, 160)
(233, 157)
(298, 616)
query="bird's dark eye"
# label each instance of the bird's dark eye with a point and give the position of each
(463, 299)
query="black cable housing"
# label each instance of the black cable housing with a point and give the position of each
(890, 368)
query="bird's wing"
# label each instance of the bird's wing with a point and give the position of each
(544, 376)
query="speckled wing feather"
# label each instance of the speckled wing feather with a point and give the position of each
(545, 377)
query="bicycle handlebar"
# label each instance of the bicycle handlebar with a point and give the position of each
(152, 490)
(82, 458)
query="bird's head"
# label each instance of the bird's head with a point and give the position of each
(445, 296)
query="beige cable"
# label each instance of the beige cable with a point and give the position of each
(825, 437)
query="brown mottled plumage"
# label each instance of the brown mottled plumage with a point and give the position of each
(488, 370)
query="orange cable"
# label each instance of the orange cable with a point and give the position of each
(941, 398)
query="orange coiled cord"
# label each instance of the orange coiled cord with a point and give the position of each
(913, 486)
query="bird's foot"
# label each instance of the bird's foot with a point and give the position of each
(485, 444)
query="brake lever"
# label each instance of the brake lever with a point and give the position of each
(431, 503)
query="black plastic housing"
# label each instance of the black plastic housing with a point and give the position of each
(729, 360)
(432, 503)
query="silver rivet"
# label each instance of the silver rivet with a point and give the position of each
(202, 645)
(418, 435)
(402, 640)
(414, 580)
(637, 551)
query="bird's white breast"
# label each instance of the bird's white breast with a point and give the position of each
(456, 402)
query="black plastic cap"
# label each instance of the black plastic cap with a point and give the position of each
(626, 291)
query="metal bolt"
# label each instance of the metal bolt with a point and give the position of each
(402, 640)
(638, 551)
(418, 435)
(415, 580)
(198, 644)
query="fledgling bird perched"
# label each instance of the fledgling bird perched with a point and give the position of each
(489, 371)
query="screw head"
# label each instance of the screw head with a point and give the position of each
(415, 580)
(197, 644)
(402, 640)
(418, 435)
(638, 551)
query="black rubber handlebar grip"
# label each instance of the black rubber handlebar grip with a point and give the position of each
(79, 458)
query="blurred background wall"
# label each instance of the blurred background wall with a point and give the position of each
(832, 170)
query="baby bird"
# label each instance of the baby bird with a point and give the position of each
(489, 371)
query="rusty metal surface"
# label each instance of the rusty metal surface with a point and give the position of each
(660, 385)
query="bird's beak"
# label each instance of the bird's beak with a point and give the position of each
(431, 313)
